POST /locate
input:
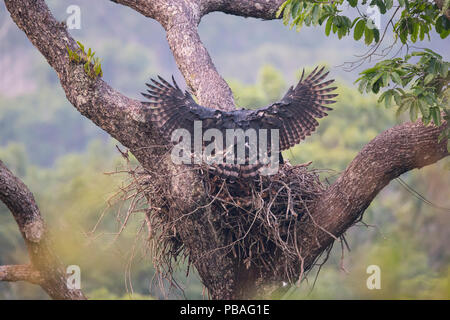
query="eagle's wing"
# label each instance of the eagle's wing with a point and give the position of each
(295, 115)
(172, 109)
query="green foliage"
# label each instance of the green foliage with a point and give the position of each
(92, 64)
(417, 19)
(420, 88)
(313, 13)
(427, 82)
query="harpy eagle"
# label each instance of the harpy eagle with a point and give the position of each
(293, 118)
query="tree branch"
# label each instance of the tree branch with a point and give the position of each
(395, 151)
(123, 118)
(180, 19)
(262, 9)
(45, 269)
(22, 272)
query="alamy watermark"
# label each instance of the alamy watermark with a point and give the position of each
(238, 147)
(73, 277)
(374, 280)
(373, 17)
(73, 21)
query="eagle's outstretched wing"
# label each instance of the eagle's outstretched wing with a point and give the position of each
(295, 115)
(172, 109)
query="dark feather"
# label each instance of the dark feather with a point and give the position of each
(295, 115)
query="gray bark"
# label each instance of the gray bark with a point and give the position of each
(44, 269)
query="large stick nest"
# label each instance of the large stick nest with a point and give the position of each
(259, 221)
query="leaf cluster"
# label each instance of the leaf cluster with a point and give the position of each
(422, 88)
(92, 64)
(417, 19)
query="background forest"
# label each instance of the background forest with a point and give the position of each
(63, 157)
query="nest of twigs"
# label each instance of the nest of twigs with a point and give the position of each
(260, 219)
(263, 218)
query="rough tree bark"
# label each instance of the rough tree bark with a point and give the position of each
(393, 152)
(45, 268)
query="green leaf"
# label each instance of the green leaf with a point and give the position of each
(359, 30)
(376, 87)
(382, 96)
(368, 34)
(328, 26)
(444, 69)
(362, 85)
(415, 32)
(353, 3)
(287, 13)
(404, 105)
(295, 9)
(335, 27)
(424, 109)
(396, 78)
(414, 111)
(376, 34)
(389, 4)
(387, 100)
(81, 46)
(397, 98)
(445, 34)
(385, 78)
(315, 14)
(428, 78)
(281, 8)
(375, 78)
(436, 115)
(382, 6)
(355, 21)
(422, 32)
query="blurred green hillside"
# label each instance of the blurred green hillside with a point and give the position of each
(62, 157)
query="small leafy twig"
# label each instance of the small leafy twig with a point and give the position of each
(92, 64)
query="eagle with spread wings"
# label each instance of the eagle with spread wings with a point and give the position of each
(294, 117)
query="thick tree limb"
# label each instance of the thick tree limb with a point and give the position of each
(262, 9)
(123, 118)
(22, 272)
(398, 150)
(180, 19)
(45, 269)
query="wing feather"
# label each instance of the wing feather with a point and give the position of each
(295, 115)
(171, 109)
(299, 108)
